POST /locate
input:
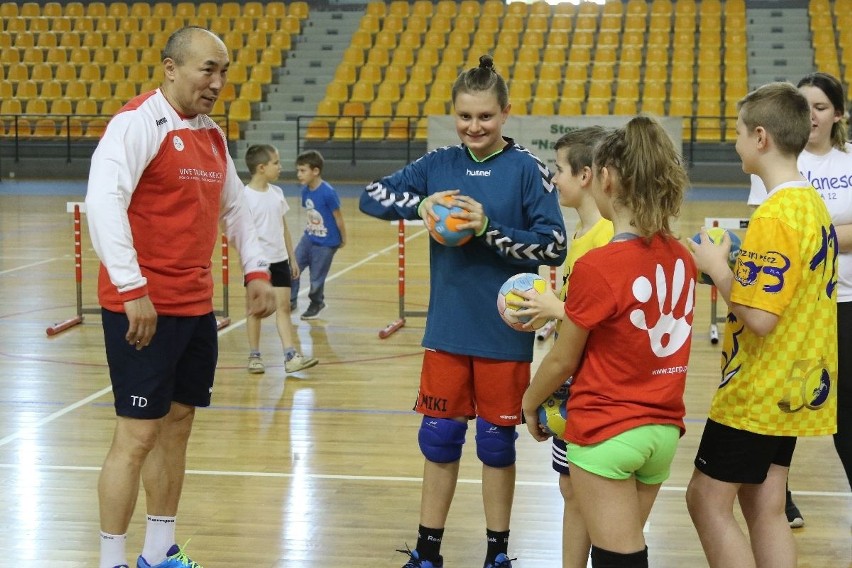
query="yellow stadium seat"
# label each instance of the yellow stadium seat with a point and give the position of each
(569, 107)
(44, 128)
(65, 72)
(239, 110)
(251, 91)
(61, 106)
(230, 10)
(681, 90)
(336, 91)
(24, 40)
(600, 90)
(35, 106)
(362, 92)
(654, 106)
(125, 90)
(41, 72)
(111, 106)
(318, 130)
(7, 91)
(344, 74)
(400, 129)
(372, 129)
(77, 90)
(17, 72)
(434, 106)
(624, 107)
(114, 72)
(387, 91)
(100, 90)
(50, 90)
(542, 106)
(281, 40)
(441, 90)
(71, 127)
(26, 90)
(38, 25)
(47, 40)
(345, 129)
(407, 107)
(597, 106)
(380, 107)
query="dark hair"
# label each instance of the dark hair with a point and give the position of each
(581, 146)
(650, 175)
(833, 89)
(483, 78)
(178, 43)
(310, 158)
(782, 111)
(258, 154)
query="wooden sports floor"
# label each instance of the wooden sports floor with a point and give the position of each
(318, 469)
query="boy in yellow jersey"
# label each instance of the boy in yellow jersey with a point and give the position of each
(779, 356)
(573, 179)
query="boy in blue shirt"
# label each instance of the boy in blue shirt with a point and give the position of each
(325, 231)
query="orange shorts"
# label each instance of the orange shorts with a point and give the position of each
(461, 385)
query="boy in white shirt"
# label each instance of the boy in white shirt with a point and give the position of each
(268, 209)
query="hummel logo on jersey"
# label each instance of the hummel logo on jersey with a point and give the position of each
(482, 173)
(161, 121)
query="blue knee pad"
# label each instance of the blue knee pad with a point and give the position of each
(495, 445)
(441, 439)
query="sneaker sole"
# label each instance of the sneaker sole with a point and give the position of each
(256, 371)
(303, 367)
(797, 523)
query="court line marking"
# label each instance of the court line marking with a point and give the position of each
(25, 266)
(373, 478)
(304, 292)
(51, 417)
(30, 428)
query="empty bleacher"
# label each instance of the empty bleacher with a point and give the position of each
(71, 65)
(65, 68)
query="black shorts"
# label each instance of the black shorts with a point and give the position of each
(280, 272)
(178, 365)
(738, 456)
(558, 451)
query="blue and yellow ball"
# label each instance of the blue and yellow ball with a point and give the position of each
(524, 282)
(716, 235)
(553, 412)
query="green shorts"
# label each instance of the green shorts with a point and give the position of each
(645, 452)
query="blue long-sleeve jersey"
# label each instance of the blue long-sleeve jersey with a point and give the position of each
(525, 229)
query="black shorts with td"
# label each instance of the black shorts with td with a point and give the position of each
(738, 456)
(178, 365)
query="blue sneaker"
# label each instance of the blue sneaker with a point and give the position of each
(415, 561)
(175, 558)
(500, 561)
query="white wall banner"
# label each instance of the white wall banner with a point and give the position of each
(540, 133)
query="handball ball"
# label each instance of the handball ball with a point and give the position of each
(716, 234)
(445, 230)
(553, 412)
(526, 281)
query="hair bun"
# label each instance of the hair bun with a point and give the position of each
(486, 62)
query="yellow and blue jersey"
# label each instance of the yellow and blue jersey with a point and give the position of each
(784, 384)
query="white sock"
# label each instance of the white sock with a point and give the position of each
(112, 550)
(159, 538)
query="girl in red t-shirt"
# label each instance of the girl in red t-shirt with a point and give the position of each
(625, 340)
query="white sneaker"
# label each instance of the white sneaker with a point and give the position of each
(255, 365)
(299, 363)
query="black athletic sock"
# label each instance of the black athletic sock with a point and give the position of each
(498, 541)
(607, 559)
(429, 543)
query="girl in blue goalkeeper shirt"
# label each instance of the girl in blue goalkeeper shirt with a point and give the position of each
(475, 367)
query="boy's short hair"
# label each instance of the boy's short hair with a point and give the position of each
(581, 146)
(310, 158)
(782, 111)
(258, 154)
